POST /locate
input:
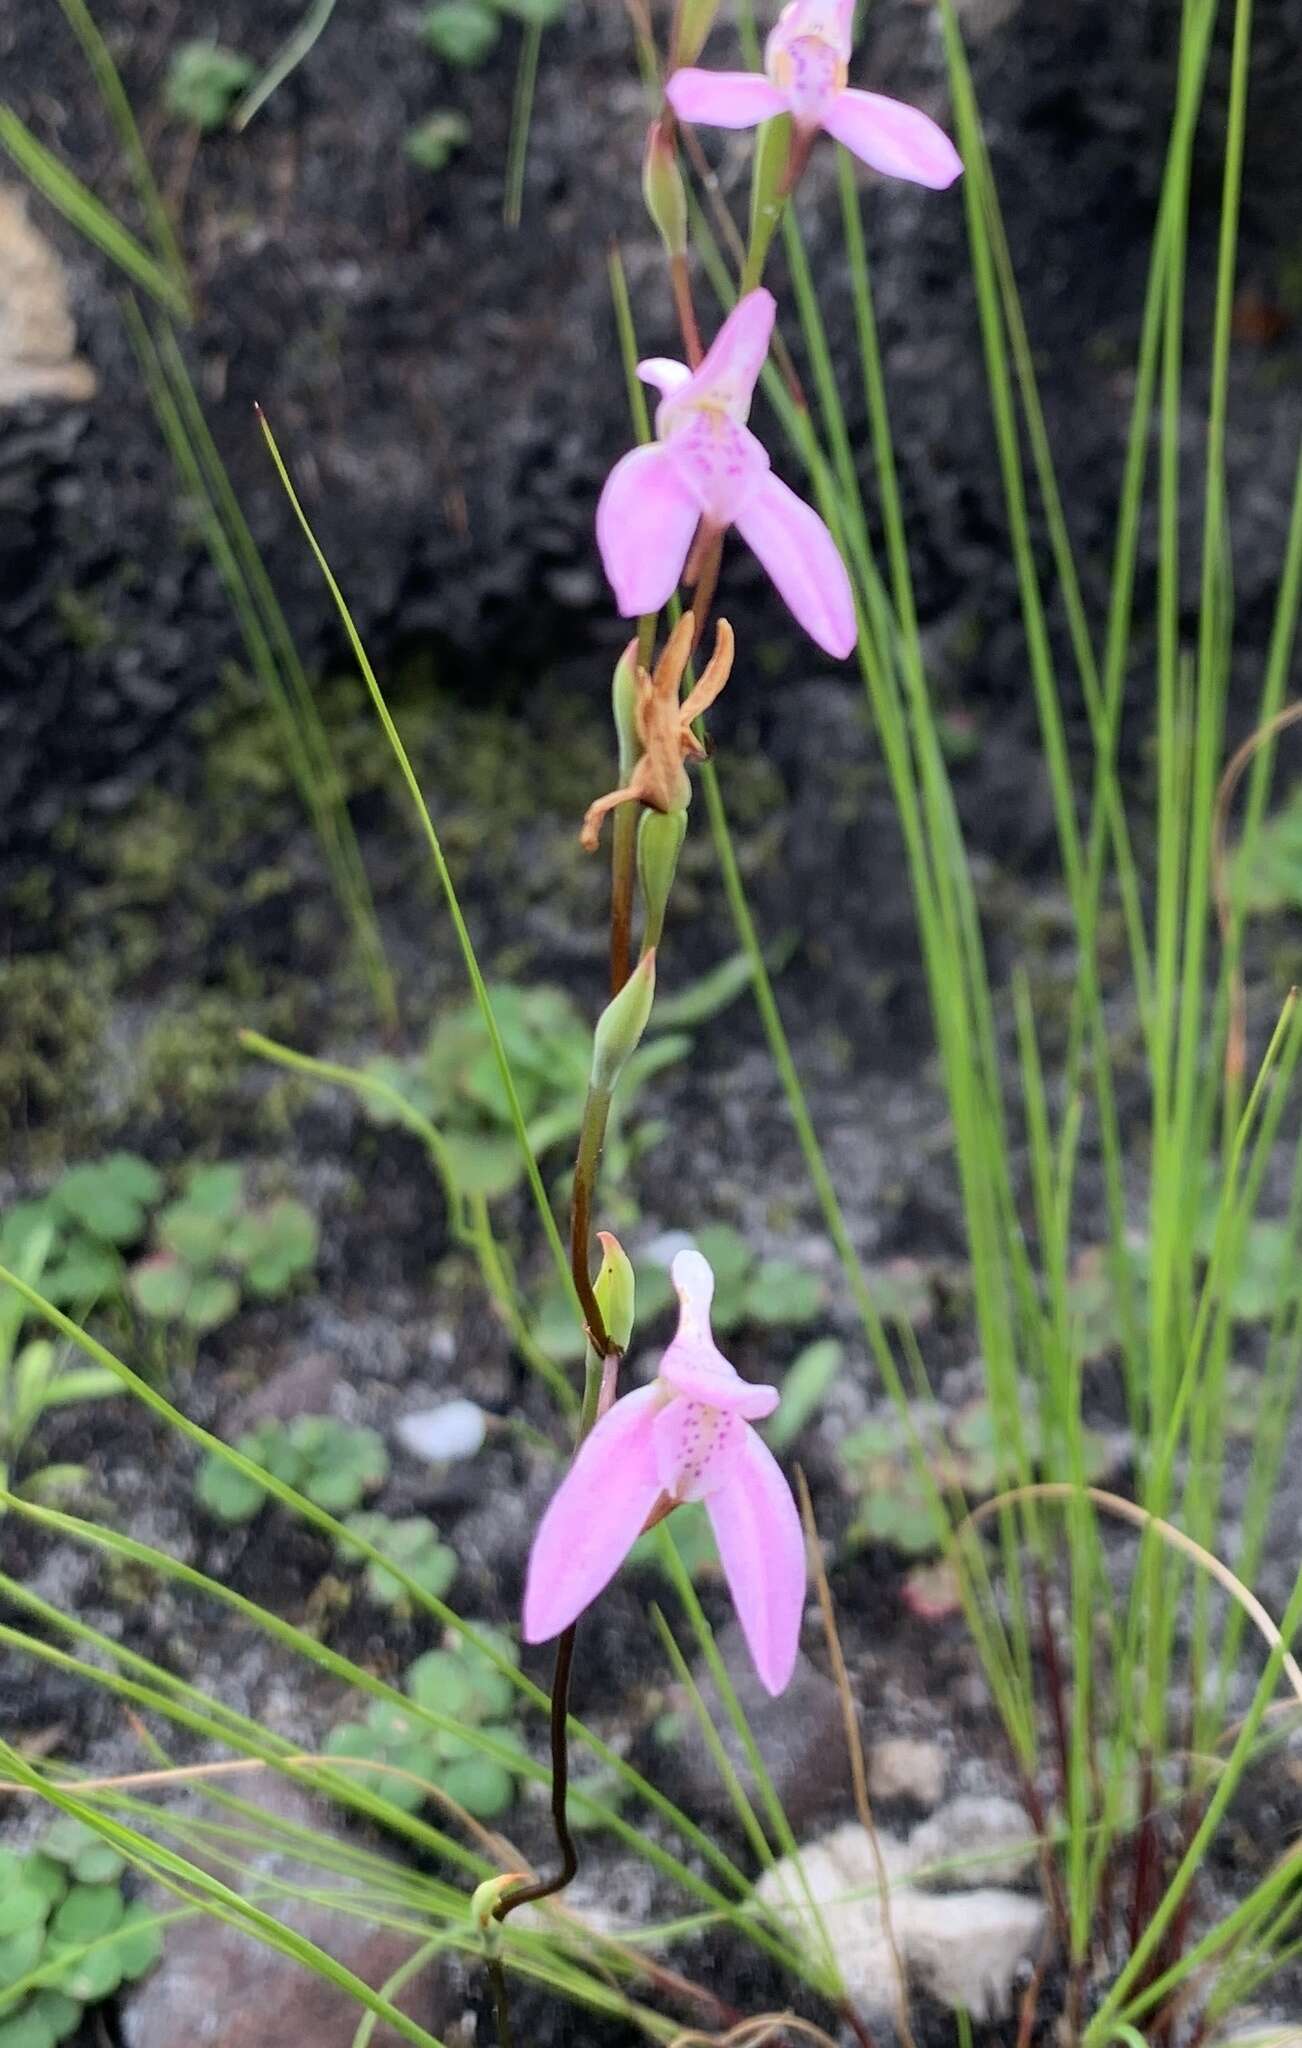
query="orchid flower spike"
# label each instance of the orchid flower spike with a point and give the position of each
(705, 468)
(686, 1436)
(806, 63)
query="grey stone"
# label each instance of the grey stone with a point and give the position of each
(217, 1987)
(907, 1767)
(800, 1736)
(303, 1387)
(965, 1948)
(37, 339)
(976, 1839)
(833, 1894)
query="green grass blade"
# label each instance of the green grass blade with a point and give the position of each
(78, 204)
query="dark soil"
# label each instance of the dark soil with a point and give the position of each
(446, 388)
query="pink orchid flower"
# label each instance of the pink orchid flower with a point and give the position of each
(705, 468)
(687, 1436)
(806, 61)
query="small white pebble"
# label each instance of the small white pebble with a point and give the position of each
(455, 1429)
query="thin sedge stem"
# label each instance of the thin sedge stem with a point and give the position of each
(287, 59)
(114, 95)
(431, 837)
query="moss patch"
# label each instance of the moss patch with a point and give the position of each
(51, 1020)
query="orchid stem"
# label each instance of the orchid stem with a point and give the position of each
(546, 1887)
(681, 283)
(501, 2006)
(623, 861)
(592, 1136)
(623, 868)
(707, 582)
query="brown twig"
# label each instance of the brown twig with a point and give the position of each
(1030, 2000)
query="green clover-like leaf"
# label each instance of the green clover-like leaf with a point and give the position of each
(212, 1301)
(194, 1234)
(433, 142)
(87, 1912)
(203, 82)
(462, 32)
(480, 1784)
(108, 1198)
(160, 1286)
(780, 1293)
(89, 1858)
(20, 1953)
(440, 1681)
(21, 1907)
(274, 1245)
(413, 1543)
(227, 1493)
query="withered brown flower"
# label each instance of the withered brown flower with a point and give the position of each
(664, 727)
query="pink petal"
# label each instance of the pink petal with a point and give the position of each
(718, 459)
(762, 1549)
(732, 363)
(810, 23)
(894, 138)
(664, 373)
(723, 99)
(697, 1448)
(802, 558)
(693, 1278)
(693, 1363)
(594, 1516)
(646, 517)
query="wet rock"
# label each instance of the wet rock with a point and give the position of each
(976, 1839)
(217, 1985)
(965, 1948)
(800, 1737)
(906, 1767)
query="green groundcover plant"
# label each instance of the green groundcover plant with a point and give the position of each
(67, 1932)
(1134, 1674)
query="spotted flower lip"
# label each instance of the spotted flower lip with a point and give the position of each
(705, 468)
(806, 65)
(686, 1436)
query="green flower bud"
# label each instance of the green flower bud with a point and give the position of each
(614, 1289)
(659, 842)
(662, 188)
(486, 1898)
(692, 24)
(621, 1024)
